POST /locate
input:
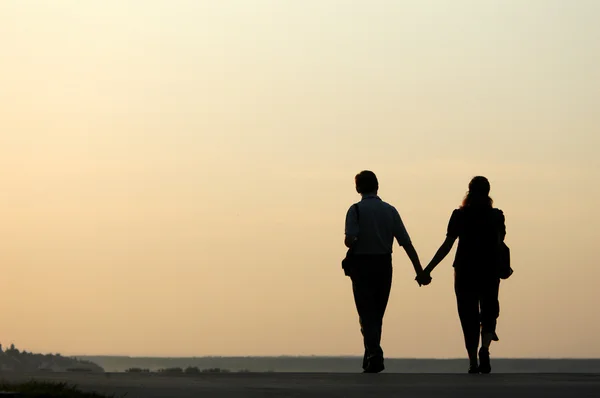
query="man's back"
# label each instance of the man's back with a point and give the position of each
(378, 224)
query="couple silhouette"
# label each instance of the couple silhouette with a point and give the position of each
(371, 227)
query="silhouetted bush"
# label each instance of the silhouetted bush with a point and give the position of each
(171, 370)
(137, 370)
(215, 370)
(192, 370)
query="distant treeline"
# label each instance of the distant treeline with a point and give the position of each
(13, 359)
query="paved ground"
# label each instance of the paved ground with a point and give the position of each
(332, 385)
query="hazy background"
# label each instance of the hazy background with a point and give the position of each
(175, 174)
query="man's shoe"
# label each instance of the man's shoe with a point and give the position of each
(473, 370)
(485, 365)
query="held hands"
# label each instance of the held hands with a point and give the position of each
(423, 278)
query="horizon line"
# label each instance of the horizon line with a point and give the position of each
(328, 357)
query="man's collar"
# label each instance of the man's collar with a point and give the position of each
(370, 196)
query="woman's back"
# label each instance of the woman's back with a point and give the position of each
(479, 230)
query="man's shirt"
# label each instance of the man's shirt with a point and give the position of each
(376, 225)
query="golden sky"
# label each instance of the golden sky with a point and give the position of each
(175, 174)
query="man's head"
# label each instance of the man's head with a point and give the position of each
(366, 183)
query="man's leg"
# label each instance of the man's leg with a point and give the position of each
(383, 287)
(363, 298)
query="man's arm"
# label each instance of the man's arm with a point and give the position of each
(350, 240)
(403, 239)
(413, 256)
(351, 229)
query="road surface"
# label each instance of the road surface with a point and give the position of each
(317, 385)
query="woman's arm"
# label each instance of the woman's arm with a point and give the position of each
(441, 254)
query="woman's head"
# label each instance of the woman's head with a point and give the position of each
(366, 182)
(479, 193)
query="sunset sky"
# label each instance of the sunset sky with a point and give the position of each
(175, 174)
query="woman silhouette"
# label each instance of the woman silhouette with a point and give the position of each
(480, 229)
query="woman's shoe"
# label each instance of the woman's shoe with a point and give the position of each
(485, 365)
(375, 365)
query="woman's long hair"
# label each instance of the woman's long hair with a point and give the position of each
(479, 193)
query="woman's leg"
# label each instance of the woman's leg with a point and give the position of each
(490, 310)
(468, 311)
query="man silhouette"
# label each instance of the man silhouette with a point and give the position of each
(371, 226)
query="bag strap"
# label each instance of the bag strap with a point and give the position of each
(356, 209)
